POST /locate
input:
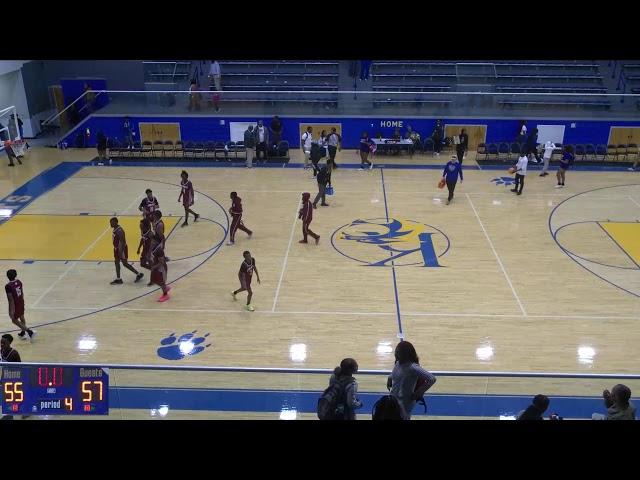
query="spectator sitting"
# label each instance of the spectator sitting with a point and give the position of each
(387, 408)
(618, 405)
(536, 410)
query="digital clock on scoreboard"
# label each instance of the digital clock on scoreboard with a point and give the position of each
(50, 390)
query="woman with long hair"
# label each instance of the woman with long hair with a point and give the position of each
(408, 381)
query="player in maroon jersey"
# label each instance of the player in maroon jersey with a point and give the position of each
(7, 353)
(186, 194)
(306, 214)
(159, 269)
(236, 218)
(15, 296)
(246, 272)
(149, 205)
(145, 243)
(121, 252)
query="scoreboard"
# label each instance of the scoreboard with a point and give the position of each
(50, 390)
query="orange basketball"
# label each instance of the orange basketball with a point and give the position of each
(441, 183)
(512, 170)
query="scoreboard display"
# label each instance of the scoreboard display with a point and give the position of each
(49, 390)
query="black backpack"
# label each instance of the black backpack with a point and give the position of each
(331, 405)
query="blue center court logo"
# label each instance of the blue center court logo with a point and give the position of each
(506, 181)
(377, 242)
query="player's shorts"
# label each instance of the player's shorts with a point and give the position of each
(18, 311)
(125, 253)
(245, 280)
(159, 276)
(564, 166)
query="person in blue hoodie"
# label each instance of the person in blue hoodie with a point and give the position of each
(450, 174)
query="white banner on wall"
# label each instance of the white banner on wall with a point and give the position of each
(237, 130)
(555, 133)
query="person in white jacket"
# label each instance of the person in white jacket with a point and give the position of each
(549, 146)
(521, 171)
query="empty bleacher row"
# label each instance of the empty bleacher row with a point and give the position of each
(509, 152)
(213, 150)
(502, 77)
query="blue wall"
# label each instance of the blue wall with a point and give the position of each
(201, 128)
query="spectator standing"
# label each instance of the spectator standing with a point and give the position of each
(618, 405)
(101, 144)
(262, 140)
(89, 98)
(365, 148)
(463, 145)
(275, 128)
(322, 143)
(250, 145)
(194, 96)
(324, 179)
(345, 388)
(334, 143)
(127, 128)
(452, 170)
(549, 146)
(521, 136)
(536, 410)
(521, 171)
(408, 381)
(365, 69)
(438, 136)
(305, 145)
(215, 74)
(565, 163)
(532, 144)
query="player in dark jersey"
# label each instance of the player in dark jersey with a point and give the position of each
(15, 297)
(306, 214)
(121, 252)
(236, 218)
(149, 205)
(159, 270)
(565, 162)
(145, 243)
(246, 272)
(187, 197)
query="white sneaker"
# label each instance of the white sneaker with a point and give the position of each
(33, 334)
(24, 337)
(233, 295)
(631, 169)
(371, 166)
(559, 186)
(230, 243)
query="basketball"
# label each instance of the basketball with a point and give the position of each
(441, 183)
(512, 170)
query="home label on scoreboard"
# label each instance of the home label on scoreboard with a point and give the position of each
(51, 390)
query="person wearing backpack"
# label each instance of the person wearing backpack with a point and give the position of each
(408, 381)
(339, 401)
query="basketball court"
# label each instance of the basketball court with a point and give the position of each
(548, 281)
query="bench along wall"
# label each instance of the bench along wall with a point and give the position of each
(200, 128)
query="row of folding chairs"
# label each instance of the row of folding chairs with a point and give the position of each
(589, 152)
(228, 151)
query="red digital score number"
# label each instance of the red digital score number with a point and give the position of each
(92, 389)
(13, 392)
(50, 377)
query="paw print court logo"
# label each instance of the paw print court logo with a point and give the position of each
(506, 181)
(176, 348)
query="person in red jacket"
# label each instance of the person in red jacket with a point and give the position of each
(306, 214)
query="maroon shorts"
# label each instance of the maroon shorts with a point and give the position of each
(125, 253)
(157, 277)
(245, 280)
(18, 311)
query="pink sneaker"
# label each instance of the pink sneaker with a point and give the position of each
(164, 298)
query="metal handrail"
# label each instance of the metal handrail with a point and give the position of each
(326, 371)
